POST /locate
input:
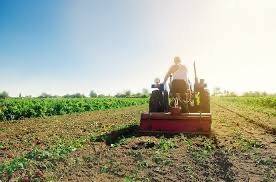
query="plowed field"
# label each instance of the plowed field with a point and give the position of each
(106, 146)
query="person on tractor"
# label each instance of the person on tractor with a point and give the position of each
(178, 72)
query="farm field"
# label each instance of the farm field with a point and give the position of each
(20, 108)
(105, 145)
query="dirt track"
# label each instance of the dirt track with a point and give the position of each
(238, 149)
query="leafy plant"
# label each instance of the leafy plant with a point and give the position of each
(104, 169)
(247, 144)
(165, 144)
(17, 108)
(201, 153)
(11, 167)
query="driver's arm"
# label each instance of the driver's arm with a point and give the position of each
(171, 70)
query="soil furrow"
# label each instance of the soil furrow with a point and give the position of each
(245, 149)
(268, 129)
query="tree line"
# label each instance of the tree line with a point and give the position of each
(144, 94)
(92, 94)
(218, 92)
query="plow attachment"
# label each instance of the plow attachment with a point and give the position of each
(193, 123)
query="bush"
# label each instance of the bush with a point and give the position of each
(4, 95)
(93, 94)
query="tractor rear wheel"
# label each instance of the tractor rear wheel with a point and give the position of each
(166, 102)
(156, 103)
(205, 101)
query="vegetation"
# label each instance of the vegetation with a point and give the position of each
(4, 95)
(76, 95)
(128, 94)
(265, 101)
(107, 146)
(93, 93)
(218, 92)
(257, 94)
(14, 108)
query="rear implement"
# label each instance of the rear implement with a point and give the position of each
(194, 123)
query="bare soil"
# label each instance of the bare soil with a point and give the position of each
(237, 150)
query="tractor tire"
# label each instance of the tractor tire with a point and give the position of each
(166, 102)
(156, 103)
(205, 101)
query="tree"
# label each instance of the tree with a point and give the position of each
(254, 94)
(217, 91)
(45, 95)
(4, 95)
(127, 93)
(137, 95)
(227, 93)
(76, 95)
(118, 95)
(145, 92)
(93, 93)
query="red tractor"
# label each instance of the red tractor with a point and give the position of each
(186, 112)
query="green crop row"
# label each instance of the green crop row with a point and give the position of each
(267, 102)
(18, 108)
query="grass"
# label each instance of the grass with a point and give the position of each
(1, 145)
(142, 164)
(104, 169)
(131, 178)
(162, 149)
(246, 144)
(2, 129)
(52, 154)
(165, 144)
(200, 153)
(16, 164)
(161, 158)
(267, 161)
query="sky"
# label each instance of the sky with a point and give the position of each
(68, 46)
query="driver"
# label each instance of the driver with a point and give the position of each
(179, 82)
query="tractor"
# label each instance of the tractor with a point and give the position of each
(185, 112)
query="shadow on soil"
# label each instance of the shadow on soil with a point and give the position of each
(130, 131)
(117, 135)
(220, 160)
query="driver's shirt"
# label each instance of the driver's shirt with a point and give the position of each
(179, 72)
